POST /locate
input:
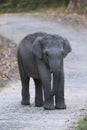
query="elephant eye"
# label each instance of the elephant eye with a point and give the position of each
(46, 54)
(46, 57)
(62, 52)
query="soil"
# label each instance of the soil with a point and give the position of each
(14, 116)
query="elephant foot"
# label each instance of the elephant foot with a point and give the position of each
(38, 104)
(60, 106)
(25, 102)
(49, 105)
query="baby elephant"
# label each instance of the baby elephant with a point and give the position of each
(39, 55)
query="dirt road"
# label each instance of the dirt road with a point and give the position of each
(13, 116)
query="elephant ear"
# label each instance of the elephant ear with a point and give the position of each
(37, 51)
(67, 47)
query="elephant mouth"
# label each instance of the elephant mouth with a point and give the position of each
(51, 71)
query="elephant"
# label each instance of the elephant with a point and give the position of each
(39, 56)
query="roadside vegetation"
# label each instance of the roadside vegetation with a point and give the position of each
(13, 6)
(28, 5)
(8, 63)
(2, 84)
(82, 125)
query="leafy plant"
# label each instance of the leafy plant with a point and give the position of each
(26, 5)
(85, 9)
(82, 125)
(2, 84)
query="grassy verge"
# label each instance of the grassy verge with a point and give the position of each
(2, 84)
(82, 125)
(28, 6)
(8, 9)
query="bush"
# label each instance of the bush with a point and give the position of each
(82, 125)
(15, 5)
(85, 9)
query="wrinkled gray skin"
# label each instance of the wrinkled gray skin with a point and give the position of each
(39, 55)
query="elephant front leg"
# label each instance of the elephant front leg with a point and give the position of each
(48, 96)
(45, 77)
(59, 93)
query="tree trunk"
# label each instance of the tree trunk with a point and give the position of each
(77, 4)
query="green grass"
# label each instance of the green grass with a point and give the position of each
(15, 6)
(85, 10)
(82, 125)
(2, 84)
(25, 6)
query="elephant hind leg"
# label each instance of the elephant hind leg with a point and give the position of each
(25, 84)
(38, 93)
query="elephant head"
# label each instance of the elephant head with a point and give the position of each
(51, 49)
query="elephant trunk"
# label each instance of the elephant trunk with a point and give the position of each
(55, 67)
(56, 71)
(55, 84)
